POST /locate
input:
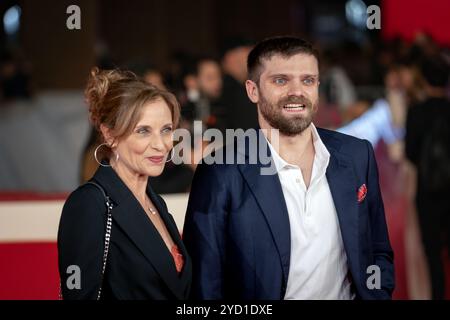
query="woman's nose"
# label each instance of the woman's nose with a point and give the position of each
(157, 143)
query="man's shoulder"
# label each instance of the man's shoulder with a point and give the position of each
(234, 156)
(340, 140)
(223, 161)
(350, 149)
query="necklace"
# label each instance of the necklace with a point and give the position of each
(150, 208)
(153, 211)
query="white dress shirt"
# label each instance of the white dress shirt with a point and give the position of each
(318, 262)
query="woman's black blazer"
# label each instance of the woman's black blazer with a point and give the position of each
(139, 264)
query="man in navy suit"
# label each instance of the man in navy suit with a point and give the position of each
(315, 227)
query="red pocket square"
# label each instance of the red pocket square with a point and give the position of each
(362, 191)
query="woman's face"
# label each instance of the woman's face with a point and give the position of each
(147, 148)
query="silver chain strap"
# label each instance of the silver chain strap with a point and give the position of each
(109, 207)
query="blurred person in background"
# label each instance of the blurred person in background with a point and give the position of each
(148, 72)
(385, 119)
(203, 87)
(203, 105)
(88, 165)
(145, 258)
(179, 64)
(15, 77)
(154, 77)
(335, 85)
(239, 111)
(383, 124)
(428, 148)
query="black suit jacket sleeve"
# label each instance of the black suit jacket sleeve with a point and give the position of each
(81, 242)
(382, 251)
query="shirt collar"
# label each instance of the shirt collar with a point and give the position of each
(321, 158)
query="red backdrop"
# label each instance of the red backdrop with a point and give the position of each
(407, 17)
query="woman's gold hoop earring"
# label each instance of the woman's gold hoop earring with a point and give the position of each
(99, 162)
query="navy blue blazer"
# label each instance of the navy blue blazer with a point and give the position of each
(237, 226)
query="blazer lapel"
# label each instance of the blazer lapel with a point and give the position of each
(269, 195)
(342, 181)
(132, 219)
(174, 233)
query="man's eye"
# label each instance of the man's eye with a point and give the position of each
(279, 81)
(309, 81)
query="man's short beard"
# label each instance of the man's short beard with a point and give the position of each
(292, 126)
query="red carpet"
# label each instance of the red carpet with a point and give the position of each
(29, 271)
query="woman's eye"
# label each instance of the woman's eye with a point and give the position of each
(167, 130)
(142, 131)
(279, 81)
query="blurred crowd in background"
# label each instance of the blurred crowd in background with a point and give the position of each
(365, 91)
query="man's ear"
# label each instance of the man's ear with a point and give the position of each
(252, 91)
(107, 135)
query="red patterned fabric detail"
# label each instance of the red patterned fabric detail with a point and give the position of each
(178, 258)
(362, 191)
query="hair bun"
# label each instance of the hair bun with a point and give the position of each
(99, 83)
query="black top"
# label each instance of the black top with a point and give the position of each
(421, 120)
(240, 112)
(139, 265)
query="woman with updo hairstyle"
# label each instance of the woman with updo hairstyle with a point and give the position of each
(116, 238)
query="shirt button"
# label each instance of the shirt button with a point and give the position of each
(297, 180)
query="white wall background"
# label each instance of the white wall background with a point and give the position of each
(41, 142)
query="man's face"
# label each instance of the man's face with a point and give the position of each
(287, 94)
